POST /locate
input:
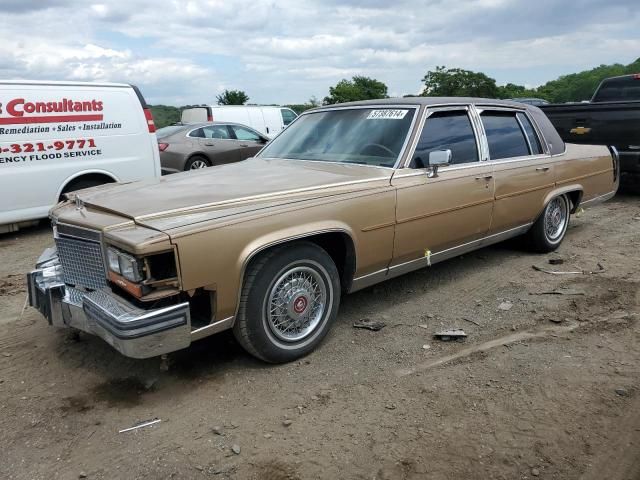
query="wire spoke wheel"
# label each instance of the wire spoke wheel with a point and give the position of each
(296, 303)
(555, 218)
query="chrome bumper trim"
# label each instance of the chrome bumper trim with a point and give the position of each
(134, 332)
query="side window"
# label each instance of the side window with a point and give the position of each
(243, 133)
(450, 130)
(504, 135)
(534, 141)
(216, 131)
(197, 133)
(287, 116)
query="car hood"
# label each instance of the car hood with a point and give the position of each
(182, 199)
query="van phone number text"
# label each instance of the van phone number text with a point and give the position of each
(55, 145)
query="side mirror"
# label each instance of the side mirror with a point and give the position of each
(263, 140)
(438, 158)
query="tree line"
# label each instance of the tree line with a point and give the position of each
(441, 82)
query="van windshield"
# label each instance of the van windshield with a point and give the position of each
(366, 136)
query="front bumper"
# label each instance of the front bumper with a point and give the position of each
(134, 332)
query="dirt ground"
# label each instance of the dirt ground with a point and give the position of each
(547, 384)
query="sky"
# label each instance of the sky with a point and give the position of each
(282, 52)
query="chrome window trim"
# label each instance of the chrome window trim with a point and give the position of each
(526, 136)
(362, 107)
(515, 111)
(447, 108)
(188, 135)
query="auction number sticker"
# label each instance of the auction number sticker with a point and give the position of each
(387, 114)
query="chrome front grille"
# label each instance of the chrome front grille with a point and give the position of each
(82, 261)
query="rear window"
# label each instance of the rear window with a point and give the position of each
(504, 135)
(619, 89)
(166, 131)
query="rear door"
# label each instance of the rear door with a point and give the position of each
(249, 142)
(523, 171)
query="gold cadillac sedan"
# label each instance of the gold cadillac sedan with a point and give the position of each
(347, 196)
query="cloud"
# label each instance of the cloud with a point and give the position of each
(181, 51)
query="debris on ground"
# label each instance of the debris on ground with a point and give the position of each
(471, 321)
(452, 334)
(505, 306)
(217, 430)
(623, 392)
(560, 291)
(426, 347)
(287, 423)
(556, 261)
(601, 269)
(369, 324)
(143, 424)
(235, 448)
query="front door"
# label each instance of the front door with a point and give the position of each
(435, 215)
(249, 142)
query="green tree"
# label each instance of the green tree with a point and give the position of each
(580, 86)
(232, 97)
(358, 88)
(456, 82)
(164, 115)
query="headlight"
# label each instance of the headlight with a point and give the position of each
(113, 260)
(125, 265)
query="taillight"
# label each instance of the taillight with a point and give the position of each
(636, 76)
(163, 146)
(149, 116)
(209, 118)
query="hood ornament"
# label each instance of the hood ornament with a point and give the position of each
(79, 203)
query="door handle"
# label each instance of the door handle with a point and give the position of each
(244, 144)
(485, 177)
(209, 145)
(542, 169)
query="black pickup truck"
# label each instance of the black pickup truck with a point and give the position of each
(611, 118)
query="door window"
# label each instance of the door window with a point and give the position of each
(448, 130)
(287, 116)
(243, 133)
(197, 133)
(216, 131)
(504, 135)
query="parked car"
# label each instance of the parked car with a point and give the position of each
(269, 121)
(531, 101)
(611, 118)
(348, 196)
(201, 145)
(56, 137)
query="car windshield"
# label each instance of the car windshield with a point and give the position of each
(166, 131)
(368, 136)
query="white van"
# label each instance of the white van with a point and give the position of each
(269, 121)
(57, 137)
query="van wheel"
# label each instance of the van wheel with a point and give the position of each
(289, 300)
(196, 163)
(82, 183)
(549, 230)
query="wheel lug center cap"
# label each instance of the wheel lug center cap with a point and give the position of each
(300, 304)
